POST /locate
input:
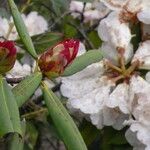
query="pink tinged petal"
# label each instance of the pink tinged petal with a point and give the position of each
(109, 52)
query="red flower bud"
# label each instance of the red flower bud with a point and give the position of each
(53, 62)
(7, 56)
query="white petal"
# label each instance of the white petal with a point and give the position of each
(119, 98)
(97, 119)
(19, 70)
(32, 25)
(112, 30)
(132, 139)
(114, 4)
(147, 77)
(144, 16)
(139, 85)
(142, 134)
(143, 55)
(113, 117)
(82, 49)
(93, 101)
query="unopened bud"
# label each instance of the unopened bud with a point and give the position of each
(7, 56)
(53, 62)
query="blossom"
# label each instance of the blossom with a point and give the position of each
(7, 56)
(19, 70)
(91, 11)
(53, 62)
(33, 27)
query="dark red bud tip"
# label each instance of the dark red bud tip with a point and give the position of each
(53, 62)
(7, 56)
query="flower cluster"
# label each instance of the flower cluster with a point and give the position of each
(91, 11)
(115, 92)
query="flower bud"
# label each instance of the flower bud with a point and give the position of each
(7, 56)
(53, 62)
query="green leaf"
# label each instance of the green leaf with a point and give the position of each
(63, 122)
(89, 132)
(83, 61)
(9, 114)
(21, 28)
(59, 6)
(44, 41)
(25, 89)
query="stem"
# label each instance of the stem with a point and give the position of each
(35, 113)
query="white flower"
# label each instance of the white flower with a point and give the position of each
(112, 30)
(19, 70)
(92, 11)
(35, 23)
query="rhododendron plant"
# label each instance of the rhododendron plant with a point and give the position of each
(81, 76)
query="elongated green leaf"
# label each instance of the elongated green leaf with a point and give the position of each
(63, 122)
(25, 89)
(21, 28)
(59, 6)
(44, 41)
(83, 61)
(9, 114)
